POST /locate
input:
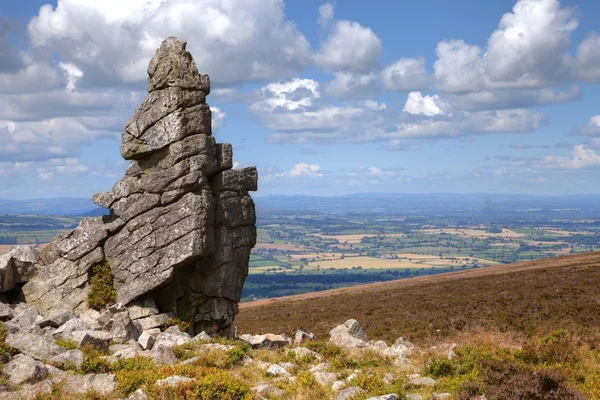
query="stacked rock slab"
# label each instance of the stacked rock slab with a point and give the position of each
(181, 223)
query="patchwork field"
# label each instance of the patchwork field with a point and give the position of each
(475, 233)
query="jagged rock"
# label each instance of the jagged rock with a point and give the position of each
(302, 336)
(163, 355)
(264, 341)
(74, 357)
(202, 337)
(172, 337)
(303, 352)
(173, 380)
(142, 308)
(181, 224)
(349, 334)
(24, 369)
(325, 378)
(320, 367)
(270, 391)
(17, 266)
(56, 318)
(25, 315)
(146, 340)
(100, 383)
(138, 395)
(66, 330)
(97, 339)
(277, 370)
(31, 391)
(153, 321)
(349, 393)
(6, 312)
(34, 344)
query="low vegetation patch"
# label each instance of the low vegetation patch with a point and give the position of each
(102, 290)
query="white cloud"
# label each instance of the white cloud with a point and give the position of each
(529, 49)
(417, 104)
(112, 41)
(300, 170)
(217, 117)
(326, 12)
(349, 85)
(291, 95)
(592, 128)
(73, 74)
(581, 157)
(350, 47)
(404, 75)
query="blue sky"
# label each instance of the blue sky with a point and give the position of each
(325, 98)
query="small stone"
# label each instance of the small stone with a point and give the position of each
(24, 369)
(153, 321)
(170, 338)
(422, 381)
(320, 367)
(304, 353)
(264, 341)
(74, 357)
(277, 370)
(138, 395)
(413, 396)
(174, 380)
(302, 336)
(349, 393)
(440, 396)
(56, 318)
(146, 340)
(268, 390)
(325, 378)
(338, 385)
(66, 330)
(350, 334)
(391, 396)
(163, 355)
(6, 312)
(202, 337)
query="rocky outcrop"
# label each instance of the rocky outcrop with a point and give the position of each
(181, 222)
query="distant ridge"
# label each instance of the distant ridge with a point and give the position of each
(51, 206)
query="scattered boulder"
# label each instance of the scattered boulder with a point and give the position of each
(302, 336)
(264, 341)
(349, 393)
(422, 381)
(163, 355)
(172, 337)
(277, 370)
(391, 396)
(34, 344)
(138, 395)
(270, 391)
(56, 318)
(146, 340)
(24, 369)
(174, 380)
(101, 383)
(325, 378)
(73, 357)
(349, 334)
(441, 396)
(97, 339)
(303, 352)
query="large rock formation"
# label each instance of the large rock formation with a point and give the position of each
(181, 223)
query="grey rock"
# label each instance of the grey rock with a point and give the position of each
(325, 378)
(24, 369)
(163, 355)
(34, 344)
(349, 334)
(202, 337)
(100, 383)
(73, 357)
(17, 266)
(97, 339)
(302, 336)
(440, 396)
(56, 318)
(66, 330)
(389, 378)
(413, 396)
(31, 391)
(422, 381)
(264, 341)
(349, 393)
(142, 308)
(172, 337)
(303, 353)
(391, 396)
(146, 340)
(270, 391)
(6, 312)
(277, 370)
(174, 380)
(138, 395)
(153, 321)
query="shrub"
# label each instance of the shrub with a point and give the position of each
(92, 361)
(210, 384)
(440, 367)
(102, 290)
(182, 325)
(68, 344)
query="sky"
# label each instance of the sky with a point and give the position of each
(325, 98)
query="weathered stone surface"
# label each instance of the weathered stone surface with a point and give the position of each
(97, 339)
(163, 355)
(34, 344)
(349, 393)
(264, 341)
(153, 321)
(349, 334)
(391, 396)
(56, 318)
(74, 357)
(142, 308)
(302, 336)
(173, 380)
(100, 383)
(138, 395)
(24, 369)
(6, 312)
(146, 340)
(17, 266)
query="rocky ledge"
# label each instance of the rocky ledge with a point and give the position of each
(177, 238)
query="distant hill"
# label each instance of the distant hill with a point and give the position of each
(52, 206)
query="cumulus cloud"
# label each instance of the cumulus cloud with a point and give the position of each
(347, 85)
(581, 157)
(291, 95)
(326, 12)
(112, 41)
(417, 104)
(73, 74)
(592, 128)
(404, 75)
(350, 47)
(217, 117)
(299, 170)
